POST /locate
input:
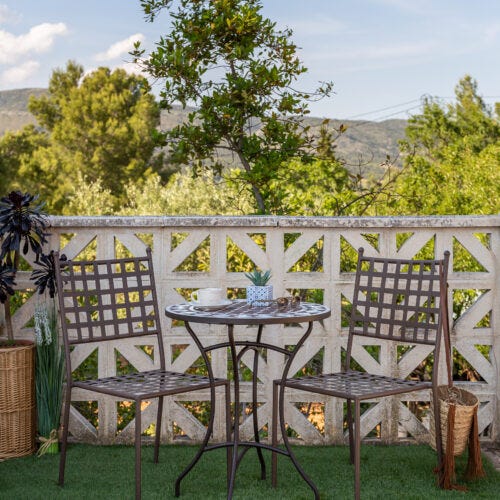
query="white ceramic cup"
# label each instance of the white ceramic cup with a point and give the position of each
(208, 296)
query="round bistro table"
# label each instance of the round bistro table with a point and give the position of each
(238, 312)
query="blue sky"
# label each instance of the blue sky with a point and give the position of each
(382, 55)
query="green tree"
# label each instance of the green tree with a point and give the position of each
(18, 167)
(325, 187)
(100, 127)
(183, 194)
(229, 61)
(89, 198)
(452, 158)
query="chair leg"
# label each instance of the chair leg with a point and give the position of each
(138, 450)
(357, 449)
(202, 447)
(255, 410)
(274, 432)
(284, 437)
(229, 449)
(439, 436)
(159, 415)
(350, 430)
(64, 443)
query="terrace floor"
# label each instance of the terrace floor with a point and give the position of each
(106, 472)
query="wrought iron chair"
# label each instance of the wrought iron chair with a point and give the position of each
(401, 301)
(110, 300)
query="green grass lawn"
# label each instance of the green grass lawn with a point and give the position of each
(107, 472)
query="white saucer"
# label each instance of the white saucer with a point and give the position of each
(212, 307)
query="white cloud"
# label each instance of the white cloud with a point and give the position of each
(129, 67)
(20, 73)
(39, 39)
(133, 68)
(7, 15)
(119, 48)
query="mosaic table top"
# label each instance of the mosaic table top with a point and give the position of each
(238, 312)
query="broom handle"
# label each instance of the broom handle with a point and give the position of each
(446, 317)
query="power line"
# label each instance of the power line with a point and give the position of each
(386, 108)
(399, 112)
(381, 118)
(383, 109)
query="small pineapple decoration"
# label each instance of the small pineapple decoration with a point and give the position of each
(259, 293)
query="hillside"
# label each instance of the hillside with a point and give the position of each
(364, 143)
(14, 112)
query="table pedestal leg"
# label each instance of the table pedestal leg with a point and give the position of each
(281, 413)
(255, 406)
(235, 358)
(236, 423)
(204, 444)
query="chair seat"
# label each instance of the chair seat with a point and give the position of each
(147, 384)
(355, 385)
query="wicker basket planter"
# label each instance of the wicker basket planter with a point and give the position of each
(17, 399)
(465, 404)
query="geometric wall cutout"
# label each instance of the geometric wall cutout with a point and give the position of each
(314, 412)
(311, 260)
(464, 261)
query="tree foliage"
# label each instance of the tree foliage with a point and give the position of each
(238, 70)
(18, 168)
(324, 187)
(183, 194)
(100, 126)
(452, 158)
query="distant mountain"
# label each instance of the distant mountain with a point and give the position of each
(14, 112)
(364, 143)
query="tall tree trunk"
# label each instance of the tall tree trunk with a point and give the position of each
(255, 190)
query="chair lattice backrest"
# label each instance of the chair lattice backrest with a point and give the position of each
(107, 299)
(399, 300)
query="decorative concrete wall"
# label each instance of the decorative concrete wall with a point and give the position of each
(280, 244)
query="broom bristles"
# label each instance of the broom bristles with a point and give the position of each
(474, 468)
(446, 474)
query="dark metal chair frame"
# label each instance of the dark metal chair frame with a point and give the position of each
(109, 300)
(403, 301)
